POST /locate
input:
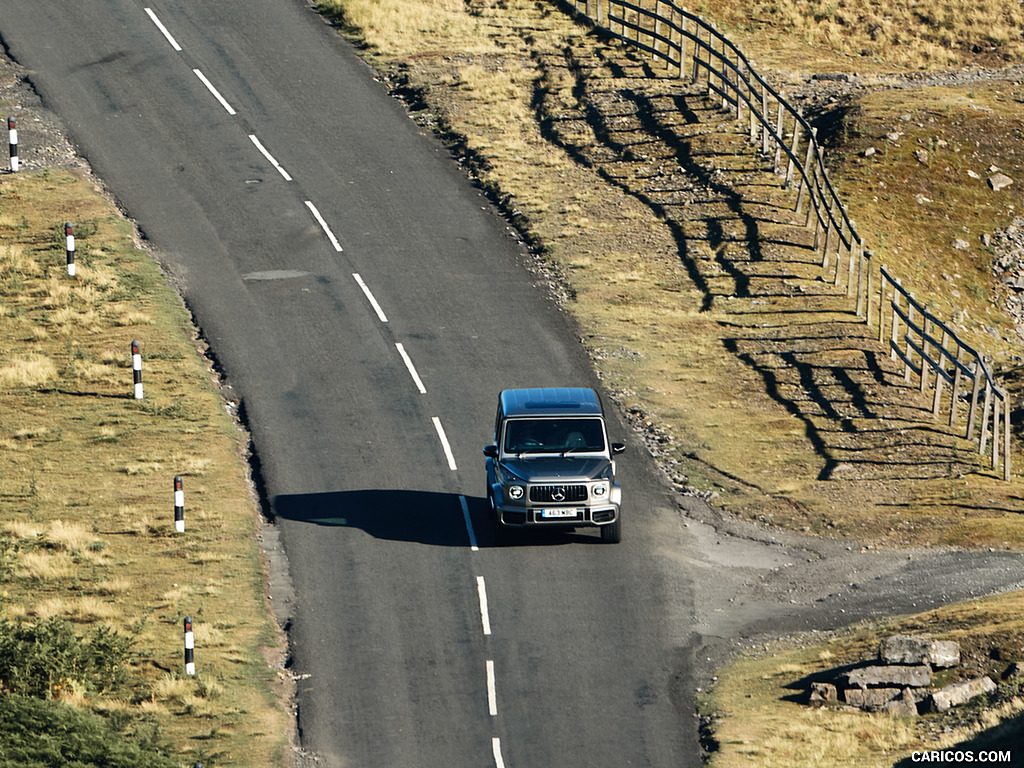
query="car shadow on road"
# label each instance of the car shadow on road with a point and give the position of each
(425, 517)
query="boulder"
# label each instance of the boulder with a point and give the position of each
(999, 181)
(914, 649)
(870, 698)
(959, 693)
(904, 705)
(823, 693)
(917, 676)
(1016, 669)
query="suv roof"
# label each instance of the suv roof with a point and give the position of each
(561, 401)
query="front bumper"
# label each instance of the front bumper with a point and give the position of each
(574, 515)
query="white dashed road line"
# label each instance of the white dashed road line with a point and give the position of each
(412, 369)
(485, 617)
(162, 28)
(369, 297)
(323, 225)
(469, 527)
(444, 444)
(270, 158)
(496, 749)
(215, 92)
(492, 693)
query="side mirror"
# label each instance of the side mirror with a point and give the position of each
(618, 447)
(491, 451)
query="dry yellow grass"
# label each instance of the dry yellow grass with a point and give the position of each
(917, 34)
(87, 474)
(760, 718)
(27, 370)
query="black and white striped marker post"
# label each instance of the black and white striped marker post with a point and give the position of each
(69, 238)
(137, 370)
(179, 505)
(13, 133)
(190, 644)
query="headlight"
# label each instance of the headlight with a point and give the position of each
(515, 491)
(600, 490)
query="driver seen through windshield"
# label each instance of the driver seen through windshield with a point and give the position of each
(553, 435)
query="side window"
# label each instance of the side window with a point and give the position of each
(497, 425)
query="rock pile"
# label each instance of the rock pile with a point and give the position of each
(1008, 268)
(899, 681)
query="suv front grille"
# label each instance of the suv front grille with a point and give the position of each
(558, 494)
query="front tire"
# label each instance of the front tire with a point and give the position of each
(612, 532)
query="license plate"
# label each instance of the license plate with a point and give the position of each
(547, 514)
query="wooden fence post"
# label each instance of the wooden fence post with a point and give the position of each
(808, 175)
(657, 28)
(996, 408)
(894, 336)
(697, 45)
(939, 381)
(972, 414)
(984, 419)
(1006, 438)
(791, 166)
(851, 251)
(684, 27)
(924, 353)
(865, 283)
(954, 396)
(907, 370)
(766, 123)
(780, 137)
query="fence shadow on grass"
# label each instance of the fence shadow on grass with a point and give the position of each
(737, 236)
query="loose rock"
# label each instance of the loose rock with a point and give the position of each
(959, 693)
(999, 181)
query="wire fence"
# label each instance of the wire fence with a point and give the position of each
(694, 49)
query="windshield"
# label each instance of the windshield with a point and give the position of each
(553, 435)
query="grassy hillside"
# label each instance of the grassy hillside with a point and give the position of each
(90, 564)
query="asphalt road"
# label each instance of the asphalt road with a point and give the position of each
(313, 228)
(366, 457)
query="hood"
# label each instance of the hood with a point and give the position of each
(556, 468)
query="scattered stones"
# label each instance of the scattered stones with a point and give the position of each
(869, 151)
(899, 683)
(922, 156)
(1008, 268)
(961, 245)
